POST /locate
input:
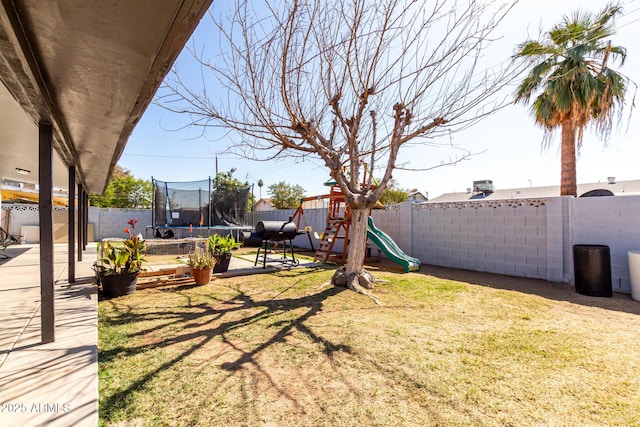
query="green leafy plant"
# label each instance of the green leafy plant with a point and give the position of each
(285, 196)
(124, 191)
(200, 259)
(222, 245)
(125, 258)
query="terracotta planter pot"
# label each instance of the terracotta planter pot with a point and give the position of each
(117, 285)
(201, 276)
(222, 263)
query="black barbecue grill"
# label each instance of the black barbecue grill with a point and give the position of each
(273, 232)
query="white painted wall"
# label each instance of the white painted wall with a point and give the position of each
(498, 239)
(612, 221)
(106, 222)
(527, 238)
(111, 222)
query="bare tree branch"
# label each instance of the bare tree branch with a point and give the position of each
(349, 82)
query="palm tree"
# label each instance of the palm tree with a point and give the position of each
(573, 83)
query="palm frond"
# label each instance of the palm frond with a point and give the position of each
(570, 77)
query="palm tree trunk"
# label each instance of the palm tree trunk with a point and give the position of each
(568, 181)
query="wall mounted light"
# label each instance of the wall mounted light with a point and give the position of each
(23, 171)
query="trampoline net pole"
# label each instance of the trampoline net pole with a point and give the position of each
(153, 203)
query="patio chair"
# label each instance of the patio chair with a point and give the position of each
(7, 239)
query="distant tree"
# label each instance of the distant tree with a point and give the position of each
(393, 194)
(119, 172)
(285, 196)
(260, 184)
(347, 83)
(225, 181)
(226, 187)
(124, 191)
(574, 85)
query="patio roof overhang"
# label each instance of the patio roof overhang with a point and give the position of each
(89, 68)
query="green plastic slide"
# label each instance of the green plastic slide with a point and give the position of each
(390, 248)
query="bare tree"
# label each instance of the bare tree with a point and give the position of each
(350, 82)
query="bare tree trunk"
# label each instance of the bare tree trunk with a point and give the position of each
(358, 240)
(353, 276)
(568, 181)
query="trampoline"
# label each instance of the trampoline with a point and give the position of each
(198, 209)
(182, 232)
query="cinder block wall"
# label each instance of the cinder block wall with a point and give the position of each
(527, 238)
(274, 215)
(111, 222)
(499, 239)
(19, 216)
(611, 221)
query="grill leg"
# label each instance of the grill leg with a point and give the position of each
(264, 261)
(293, 256)
(258, 255)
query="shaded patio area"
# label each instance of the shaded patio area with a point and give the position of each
(54, 384)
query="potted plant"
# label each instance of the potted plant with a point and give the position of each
(221, 247)
(201, 263)
(120, 264)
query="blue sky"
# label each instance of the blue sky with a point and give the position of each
(508, 143)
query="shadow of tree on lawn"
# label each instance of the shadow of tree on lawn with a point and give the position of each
(550, 290)
(202, 322)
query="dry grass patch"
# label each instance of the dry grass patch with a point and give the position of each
(282, 349)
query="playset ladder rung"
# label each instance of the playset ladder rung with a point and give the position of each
(328, 239)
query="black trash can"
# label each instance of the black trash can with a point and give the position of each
(592, 269)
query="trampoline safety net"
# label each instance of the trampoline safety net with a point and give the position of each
(198, 203)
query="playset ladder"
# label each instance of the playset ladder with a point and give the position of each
(328, 240)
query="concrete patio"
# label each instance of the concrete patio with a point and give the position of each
(53, 384)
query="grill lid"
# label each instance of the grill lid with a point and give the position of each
(276, 230)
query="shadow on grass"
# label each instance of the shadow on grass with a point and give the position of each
(551, 290)
(201, 323)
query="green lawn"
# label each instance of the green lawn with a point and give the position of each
(286, 349)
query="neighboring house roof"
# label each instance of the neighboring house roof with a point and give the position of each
(416, 196)
(618, 188)
(264, 204)
(315, 204)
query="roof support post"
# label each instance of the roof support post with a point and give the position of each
(72, 225)
(153, 210)
(80, 219)
(85, 222)
(45, 204)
